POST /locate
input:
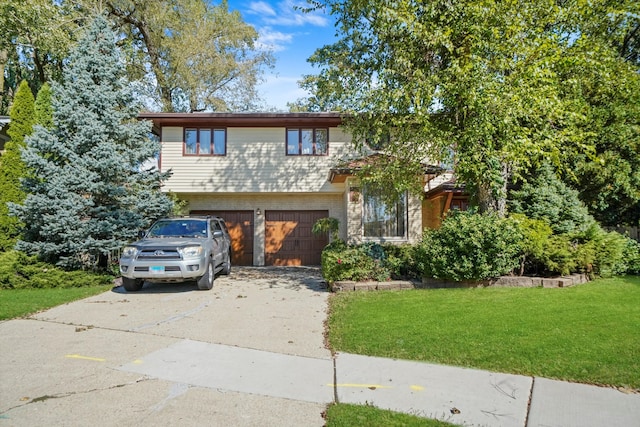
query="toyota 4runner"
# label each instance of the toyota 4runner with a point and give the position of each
(178, 250)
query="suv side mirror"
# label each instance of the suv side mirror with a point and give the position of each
(141, 234)
(217, 234)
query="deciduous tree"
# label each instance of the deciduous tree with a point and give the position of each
(35, 38)
(192, 54)
(498, 86)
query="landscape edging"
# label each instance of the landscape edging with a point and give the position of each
(429, 283)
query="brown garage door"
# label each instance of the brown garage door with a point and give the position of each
(289, 240)
(240, 225)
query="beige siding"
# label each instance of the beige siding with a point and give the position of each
(256, 162)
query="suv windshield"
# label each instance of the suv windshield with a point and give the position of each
(179, 228)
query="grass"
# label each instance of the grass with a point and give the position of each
(346, 415)
(22, 302)
(588, 333)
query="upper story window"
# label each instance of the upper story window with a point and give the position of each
(205, 142)
(307, 142)
(381, 219)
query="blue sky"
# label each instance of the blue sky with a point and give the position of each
(292, 36)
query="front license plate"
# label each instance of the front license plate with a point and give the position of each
(156, 269)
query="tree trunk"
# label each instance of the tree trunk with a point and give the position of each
(3, 61)
(492, 197)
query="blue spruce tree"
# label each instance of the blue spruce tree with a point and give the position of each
(90, 192)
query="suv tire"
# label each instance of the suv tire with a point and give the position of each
(206, 281)
(132, 285)
(226, 266)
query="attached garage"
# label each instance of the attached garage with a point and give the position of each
(289, 239)
(241, 230)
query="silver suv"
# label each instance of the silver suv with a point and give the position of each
(178, 250)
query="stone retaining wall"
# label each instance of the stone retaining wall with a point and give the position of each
(503, 282)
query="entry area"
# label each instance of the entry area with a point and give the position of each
(289, 239)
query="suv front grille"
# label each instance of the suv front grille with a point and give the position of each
(159, 254)
(167, 268)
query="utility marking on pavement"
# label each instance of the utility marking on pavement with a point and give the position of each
(138, 362)
(416, 387)
(370, 386)
(77, 356)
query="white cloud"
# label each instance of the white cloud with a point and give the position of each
(261, 8)
(274, 41)
(287, 14)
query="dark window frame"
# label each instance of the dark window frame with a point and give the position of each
(212, 142)
(300, 142)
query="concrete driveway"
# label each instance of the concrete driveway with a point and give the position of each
(109, 360)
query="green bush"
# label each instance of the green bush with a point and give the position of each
(19, 271)
(342, 262)
(400, 261)
(630, 263)
(368, 261)
(470, 246)
(602, 252)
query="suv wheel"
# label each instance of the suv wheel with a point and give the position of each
(206, 281)
(226, 266)
(132, 285)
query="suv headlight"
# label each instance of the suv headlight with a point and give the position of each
(129, 252)
(191, 252)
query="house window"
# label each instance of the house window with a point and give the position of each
(205, 142)
(307, 142)
(381, 219)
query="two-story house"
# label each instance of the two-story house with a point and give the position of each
(271, 176)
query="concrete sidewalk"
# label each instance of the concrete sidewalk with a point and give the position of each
(457, 395)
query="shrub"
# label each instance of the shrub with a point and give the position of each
(470, 246)
(602, 252)
(19, 271)
(630, 263)
(535, 237)
(400, 261)
(342, 262)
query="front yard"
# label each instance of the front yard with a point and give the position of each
(588, 333)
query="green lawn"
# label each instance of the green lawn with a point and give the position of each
(346, 415)
(22, 302)
(589, 333)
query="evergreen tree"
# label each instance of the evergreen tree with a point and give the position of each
(12, 168)
(43, 107)
(545, 197)
(90, 192)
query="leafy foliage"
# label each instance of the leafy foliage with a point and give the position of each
(503, 85)
(342, 262)
(470, 246)
(92, 189)
(35, 38)
(327, 225)
(578, 243)
(368, 261)
(43, 107)
(20, 271)
(197, 55)
(12, 168)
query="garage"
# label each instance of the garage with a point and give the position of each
(289, 239)
(241, 230)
